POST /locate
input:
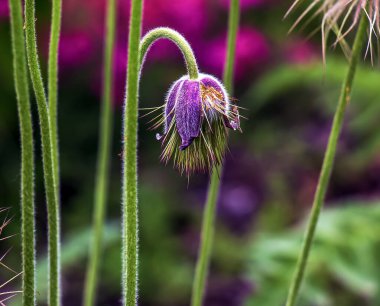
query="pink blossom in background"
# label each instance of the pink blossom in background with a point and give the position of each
(75, 49)
(252, 51)
(191, 18)
(186, 16)
(4, 9)
(300, 52)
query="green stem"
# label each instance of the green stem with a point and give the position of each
(207, 235)
(207, 232)
(328, 162)
(105, 140)
(151, 37)
(27, 155)
(53, 83)
(129, 188)
(47, 157)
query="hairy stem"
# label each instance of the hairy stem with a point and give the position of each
(105, 141)
(208, 223)
(129, 184)
(151, 37)
(207, 235)
(27, 154)
(47, 157)
(53, 83)
(328, 162)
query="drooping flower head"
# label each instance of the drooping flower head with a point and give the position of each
(340, 17)
(196, 114)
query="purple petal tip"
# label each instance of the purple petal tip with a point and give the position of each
(185, 144)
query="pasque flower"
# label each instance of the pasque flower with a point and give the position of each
(196, 114)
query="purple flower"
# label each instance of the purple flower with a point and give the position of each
(300, 52)
(195, 116)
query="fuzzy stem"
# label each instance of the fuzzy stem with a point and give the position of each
(207, 235)
(129, 184)
(47, 157)
(328, 162)
(53, 83)
(151, 37)
(208, 223)
(27, 154)
(103, 162)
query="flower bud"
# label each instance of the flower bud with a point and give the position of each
(195, 118)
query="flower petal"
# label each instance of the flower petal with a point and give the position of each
(233, 121)
(188, 111)
(170, 102)
(211, 81)
(230, 116)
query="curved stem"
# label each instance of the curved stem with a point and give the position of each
(136, 56)
(48, 164)
(328, 162)
(53, 83)
(105, 139)
(151, 37)
(27, 154)
(207, 232)
(129, 188)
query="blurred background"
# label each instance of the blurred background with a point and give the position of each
(270, 172)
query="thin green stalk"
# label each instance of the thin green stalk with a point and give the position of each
(27, 154)
(207, 235)
(328, 162)
(105, 140)
(47, 157)
(129, 188)
(53, 83)
(208, 223)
